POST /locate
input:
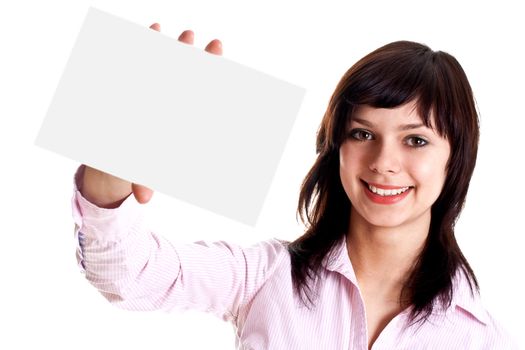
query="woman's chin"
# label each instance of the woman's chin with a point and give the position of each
(385, 222)
(381, 219)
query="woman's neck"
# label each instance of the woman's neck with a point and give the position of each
(382, 257)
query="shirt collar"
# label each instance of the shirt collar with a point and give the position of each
(339, 261)
(468, 300)
(463, 298)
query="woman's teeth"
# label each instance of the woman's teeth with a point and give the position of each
(385, 193)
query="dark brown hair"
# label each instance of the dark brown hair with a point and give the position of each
(395, 74)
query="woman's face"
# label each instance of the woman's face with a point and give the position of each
(392, 166)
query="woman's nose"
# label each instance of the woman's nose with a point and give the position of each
(384, 159)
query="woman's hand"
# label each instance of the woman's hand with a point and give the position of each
(107, 191)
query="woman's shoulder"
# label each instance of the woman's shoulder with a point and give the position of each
(490, 333)
(270, 249)
(497, 336)
(473, 315)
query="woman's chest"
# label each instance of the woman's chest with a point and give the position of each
(277, 318)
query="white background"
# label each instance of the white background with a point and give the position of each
(46, 303)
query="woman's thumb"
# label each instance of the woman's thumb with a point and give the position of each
(142, 194)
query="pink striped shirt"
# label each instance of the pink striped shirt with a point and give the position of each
(251, 287)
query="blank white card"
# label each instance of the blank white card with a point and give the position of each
(143, 106)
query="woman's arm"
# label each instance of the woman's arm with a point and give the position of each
(137, 269)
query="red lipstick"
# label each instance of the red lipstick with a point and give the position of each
(376, 198)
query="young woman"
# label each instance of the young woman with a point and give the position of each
(378, 266)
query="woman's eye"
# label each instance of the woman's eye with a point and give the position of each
(415, 141)
(361, 135)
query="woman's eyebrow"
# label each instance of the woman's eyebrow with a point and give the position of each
(363, 122)
(401, 127)
(411, 126)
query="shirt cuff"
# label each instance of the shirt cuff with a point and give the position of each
(100, 224)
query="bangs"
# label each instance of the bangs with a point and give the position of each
(402, 72)
(399, 73)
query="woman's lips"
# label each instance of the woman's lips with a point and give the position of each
(385, 194)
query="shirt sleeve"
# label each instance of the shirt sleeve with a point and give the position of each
(137, 269)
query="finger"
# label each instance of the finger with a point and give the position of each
(187, 37)
(155, 26)
(142, 193)
(214, 47)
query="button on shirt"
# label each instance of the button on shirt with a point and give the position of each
(251, 287)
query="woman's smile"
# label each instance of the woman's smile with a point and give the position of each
(386, 194)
